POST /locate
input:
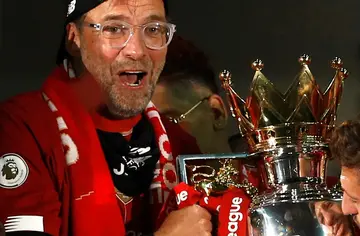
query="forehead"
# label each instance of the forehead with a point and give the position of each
(135, 11)
(350, 181)
(350, 177)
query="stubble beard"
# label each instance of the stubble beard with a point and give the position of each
(130, 105)
(124, 103)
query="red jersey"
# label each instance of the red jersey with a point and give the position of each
(35, 188)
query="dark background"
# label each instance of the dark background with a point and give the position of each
(232, 32)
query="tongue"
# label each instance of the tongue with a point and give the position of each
(129, 78)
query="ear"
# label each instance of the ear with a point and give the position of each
(72, 41)
(220, 112)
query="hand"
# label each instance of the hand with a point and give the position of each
(330, 215)
(189, 221)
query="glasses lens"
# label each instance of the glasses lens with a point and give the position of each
(117, 33)
(157, 35)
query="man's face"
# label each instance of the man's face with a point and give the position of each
(115, 69)
(350, 182)
(176, 99)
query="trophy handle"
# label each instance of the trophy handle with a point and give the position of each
(232, 98)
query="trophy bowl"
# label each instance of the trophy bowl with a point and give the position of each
(287, 136)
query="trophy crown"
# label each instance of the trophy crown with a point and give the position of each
(303, 103)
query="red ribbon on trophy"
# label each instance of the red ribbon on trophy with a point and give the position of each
(231, 207)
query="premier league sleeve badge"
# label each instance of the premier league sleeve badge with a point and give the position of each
(13, 171)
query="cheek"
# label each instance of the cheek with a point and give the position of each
(193, 129)
(158, 57)
(187, 127)
(348, 207)
(99, 51)
(202, 129)
(108, 52)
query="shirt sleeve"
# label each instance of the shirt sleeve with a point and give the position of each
(28, 197)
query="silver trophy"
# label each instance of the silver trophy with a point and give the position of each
(288, 136)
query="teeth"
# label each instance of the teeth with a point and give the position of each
(135, 84)
(139, 75)
(134, 72)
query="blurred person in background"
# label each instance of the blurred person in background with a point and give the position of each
(187, 94)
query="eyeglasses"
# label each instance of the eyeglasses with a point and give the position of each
(156, 35)
(180, 118)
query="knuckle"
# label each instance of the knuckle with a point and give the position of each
(202, 222)
(205, 225)
(199, 212)
(196, 209)
(204, 213)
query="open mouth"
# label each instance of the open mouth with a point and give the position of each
(133, 78)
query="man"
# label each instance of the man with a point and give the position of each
(188, 95)
(79, 156)
(345, 146)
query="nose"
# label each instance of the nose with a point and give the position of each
(135, 47)
(347, 206)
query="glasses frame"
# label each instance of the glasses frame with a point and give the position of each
(177, 120)
(172, 30)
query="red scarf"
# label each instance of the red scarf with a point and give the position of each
(94, 206)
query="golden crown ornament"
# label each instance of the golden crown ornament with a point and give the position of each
(303, 110)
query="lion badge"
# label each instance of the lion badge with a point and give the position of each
(13, 171)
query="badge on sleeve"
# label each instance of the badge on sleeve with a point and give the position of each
(13, 171)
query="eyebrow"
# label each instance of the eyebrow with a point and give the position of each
(111, 17)
(153, 17)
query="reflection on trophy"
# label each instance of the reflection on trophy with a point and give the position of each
(288, 137)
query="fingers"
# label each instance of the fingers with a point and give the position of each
(329, 218)
(328, 213)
